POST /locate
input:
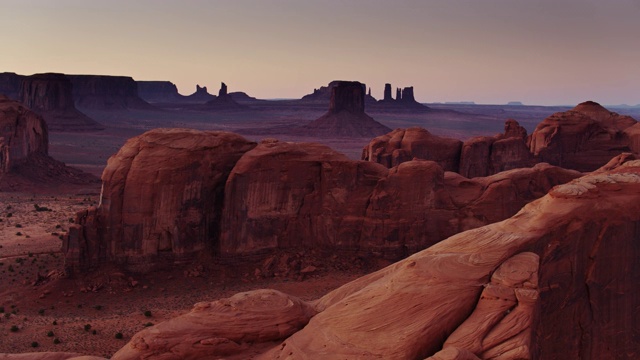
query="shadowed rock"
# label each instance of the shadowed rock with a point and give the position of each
(224, 101)
(51, 96)
(346, 116)
(106, 92)
(10, 85)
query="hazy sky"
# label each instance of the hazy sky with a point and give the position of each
(487, 51)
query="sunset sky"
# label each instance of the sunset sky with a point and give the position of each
(488, 51)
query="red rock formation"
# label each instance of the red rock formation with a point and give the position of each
(23, 134)
(223, 101)
(158, 91)
(50, 95)
(404, 101)
(106, 92)
(583, 138)
(387, 93)
(403, 145)
(286, 195)
(346, 116)
(222, 327)
(322, 96)
(10, 85)
(162, 197)
(24, 144)
(556, 281)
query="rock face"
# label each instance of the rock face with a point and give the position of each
(10, 85)
(24, 159)
(159, 199)
(403, 145)
(158, 91)
(346, 116)
(556, 281)
(404, 100)
(106, 92)
(322, 96)
(221, 328)
(22, 134)
(224, 101)
(583, 138)
(483, 156)
(169, 194)
(50, 95)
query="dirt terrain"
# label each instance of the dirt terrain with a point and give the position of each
(84, 313)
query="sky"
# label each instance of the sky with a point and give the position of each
(539, 52)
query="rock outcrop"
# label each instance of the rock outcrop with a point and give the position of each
(170, 194)
(162, 197)
(583, 138)
(51, 96)
(24, 146)
(402, 145)
(404, 101)
(556, 281)
(158, 91)
(23, 134)
(322, 95)
(200, 96)
(106, 93)
(346, 116)
(223, 101)
(10, 85)
(222, 327)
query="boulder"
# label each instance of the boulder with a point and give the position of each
(50, 95)
(162, 198)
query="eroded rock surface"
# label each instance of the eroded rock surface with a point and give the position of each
(223, 327)
(162, 196)
(583, 138)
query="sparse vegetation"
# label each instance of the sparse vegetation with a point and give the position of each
(87, 327)
(56, 341)
(14, 328)
(50, 333)
(148, 324)
(119, 335)
(34, 344)
(147, 313)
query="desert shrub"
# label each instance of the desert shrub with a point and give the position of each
(55, 322)
(56, 341)
(18, 233)
(148, 324)
(18, 225)
(14, 328)
(147, 313)
(1, 309)
(50, 334)
(41, 208)
(118, 335)
(87, 327)
(98, 307)
(34, 344)
(41, 311)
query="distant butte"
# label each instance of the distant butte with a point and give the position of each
(223, 101)
(346, 116)
(103, 92)
(51, 96)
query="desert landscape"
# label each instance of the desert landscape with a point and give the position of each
(332, 193)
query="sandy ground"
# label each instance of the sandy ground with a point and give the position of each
(85, 313)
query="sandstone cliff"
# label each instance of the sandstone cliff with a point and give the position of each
(106, 92)
(163, 198)
(51, 96)
(158, 91)
(22, 134)
(24, 160)
(583, 138)
(346, 116)
(556, 281)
